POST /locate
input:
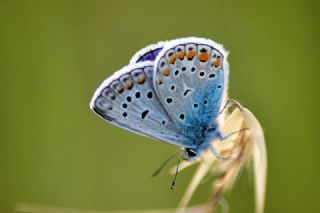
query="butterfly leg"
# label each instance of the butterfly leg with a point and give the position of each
(223, 137)
(233, 103)
(216, 133)
(216, 154)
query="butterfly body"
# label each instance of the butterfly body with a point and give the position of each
(172, 91)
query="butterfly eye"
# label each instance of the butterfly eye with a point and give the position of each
(191, 153)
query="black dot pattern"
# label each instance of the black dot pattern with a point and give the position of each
(202, 73)
(144, 114)
(186, 92)
(169, 100)
(150, 94)
(181, 116)
(212, 75)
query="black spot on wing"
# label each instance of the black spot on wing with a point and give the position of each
(144, 114)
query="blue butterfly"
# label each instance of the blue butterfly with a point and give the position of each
(172, 91)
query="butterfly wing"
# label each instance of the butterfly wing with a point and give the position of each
(148, 53)
(127, 99)
(190, 77)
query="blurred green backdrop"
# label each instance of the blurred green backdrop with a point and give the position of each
(53, 55)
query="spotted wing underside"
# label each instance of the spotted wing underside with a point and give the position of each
(189, 79)
(127, 99)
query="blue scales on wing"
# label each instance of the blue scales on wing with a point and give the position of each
(127, 99)
(189, 79)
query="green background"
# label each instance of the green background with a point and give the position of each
(53, 55)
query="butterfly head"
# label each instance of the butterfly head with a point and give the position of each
(190, 154)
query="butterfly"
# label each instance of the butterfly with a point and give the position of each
(172, 91)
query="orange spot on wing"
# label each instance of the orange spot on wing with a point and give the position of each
(203, 56)
(166, 71)
(141, 79)
(180, 55)
(120, 90)
(172, 59)
(128, 84)
(191, 54)
(216, 63)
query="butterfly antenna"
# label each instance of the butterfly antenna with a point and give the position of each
(175, 176)
(155, 173)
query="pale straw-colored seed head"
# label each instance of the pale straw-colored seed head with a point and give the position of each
(239, 149)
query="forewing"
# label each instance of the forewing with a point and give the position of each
(190, 77)
(127, 99)
(148, 53)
